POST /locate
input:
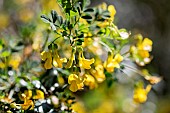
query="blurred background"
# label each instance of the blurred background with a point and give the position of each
(151, 18)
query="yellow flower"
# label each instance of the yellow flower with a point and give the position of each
(112, 63)
(85, 63)
(75, 82)
(39, 95)
(98, 73)
(146, 44)
(153, 79)
(87, 41)
(47, 57)
(143, 53)
(112, 11)
(27, 104)
(26, 95)
(50, 59)
(57, 61)
(110, 8)
(140, 52)
(150, 78)
(140, 94)
(118, 58)
(90, 81)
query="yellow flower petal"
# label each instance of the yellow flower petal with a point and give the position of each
(153, 79)
(111, 63)
(85, 63)
(27, 104)
(48, 63)
(140, 94)
(43, 55)
(147, 44)
(90, 81)
(47, 57)
(73, 86)
(112, 11)
(80, 85)
(57, 61)
(143, 53)
(26, 95)
(118, 58)
(39, 95)
(72, 77)
(99, 75)
(75, 82)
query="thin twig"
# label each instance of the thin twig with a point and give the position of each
(134, 70)
(105, 46)
(46, 40)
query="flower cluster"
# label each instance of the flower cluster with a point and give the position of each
(140, 52)
(26, 97)
(140, 94)
(79, 49)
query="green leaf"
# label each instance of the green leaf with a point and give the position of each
(5, 53)
(45, 19)
(89, 10)
(81, 35)
(54, 15)
(50, 47)
(72, 13)
(87, 17)
(1, 47)
(55, 46)
(106, 14)
(109, 83)
(60, 20)
(84, 3)
(79, 10)
(79, 41)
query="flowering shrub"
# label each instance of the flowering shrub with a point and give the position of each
(83, 48)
